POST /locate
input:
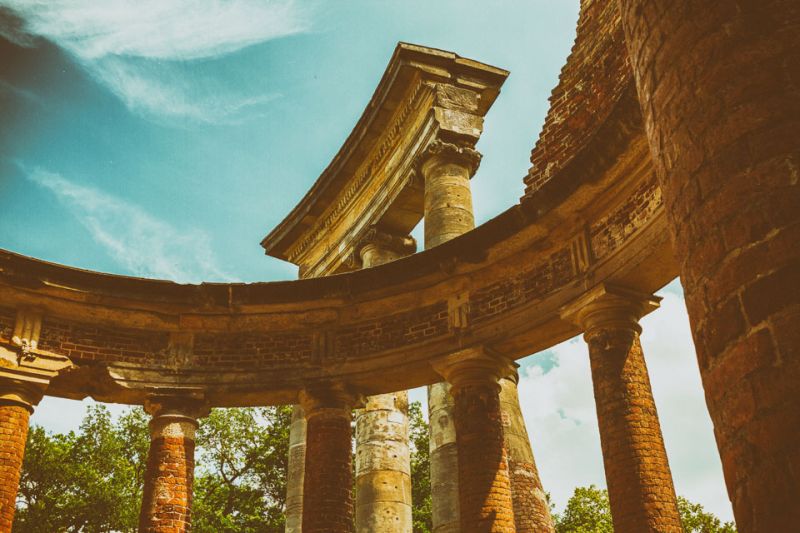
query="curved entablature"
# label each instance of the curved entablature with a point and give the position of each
(426, 98)
(502, 286)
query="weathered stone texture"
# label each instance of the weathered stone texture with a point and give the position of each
(169, 476)
(448, 200)
(327, 491)
(590, 84)
(484, 483)
(639, 481)
(719, 86)
(13, 433)
(383, 465)
(444, 460)
(531, 509)
(296, 471)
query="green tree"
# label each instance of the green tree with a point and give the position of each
(587, 511)
(695, 519)
(420, 469)
(242, 468)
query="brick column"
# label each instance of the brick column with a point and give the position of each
(639, 480)
(447, 169)
(328, 485)
(719, 86)
(296, 471)
(531, 510)
(483, 480)
(169, 475)
(16, 405)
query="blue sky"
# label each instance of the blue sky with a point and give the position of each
(165, 138)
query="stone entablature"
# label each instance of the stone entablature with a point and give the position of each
(500, 285)
(428, 100)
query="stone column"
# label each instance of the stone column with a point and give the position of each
(447, 169)
(531, 510)
(169, 475)
(296, 471)
(640, 488)
(328, 485)
(16, 406)
(718, 85)
(383, 457)
(484, 484)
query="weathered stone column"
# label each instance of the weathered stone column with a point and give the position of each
(296, 471)
(484, 484)
(328, 485)
(169, 475)
(640, 488)
(383, 457)
(447, 169)
(531, 510)
(719, 89)
(16, 406)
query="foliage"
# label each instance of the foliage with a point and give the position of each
(695, 519)
(242, 467)
(588, 511)
(91, 481)
(420, 469)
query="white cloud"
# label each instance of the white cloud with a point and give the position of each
(140, 50)
(560, 413)
(141, 243)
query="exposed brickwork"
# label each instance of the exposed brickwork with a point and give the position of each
(719, 85)
(483, 479)
(639, 481)
(590, 84)
(611, 231)
(327, 491)
(531, 508)
(169, 476)
(13, 433)
(251, 350)
(401, 329)
(544, 278)
(7, 319)
(81, 342)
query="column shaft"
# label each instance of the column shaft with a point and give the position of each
(484, 484)
(383, 465)
(169, 474)
(531, 510)
(296, 471)
(639, 481)
(445, 509)
(328, 486)
(718, 85)
(13, 434)
(448, 202)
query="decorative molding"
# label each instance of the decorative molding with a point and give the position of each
(451, 152)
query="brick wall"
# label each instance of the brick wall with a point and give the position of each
(719, 86)
(593, 79)
(13, 433)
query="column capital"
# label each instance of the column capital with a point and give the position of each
(441, 152)
(378, 246)
(21, 392)
(169, 409)
(610, 307)
(473, 366)
(318, 400)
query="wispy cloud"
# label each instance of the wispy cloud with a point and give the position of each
(562, 421)
(139, 242)
(143, 50)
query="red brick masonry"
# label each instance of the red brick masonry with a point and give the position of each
(328, 487)
(13, 434)
(639, 481)
(719, 87)
(483, 479)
